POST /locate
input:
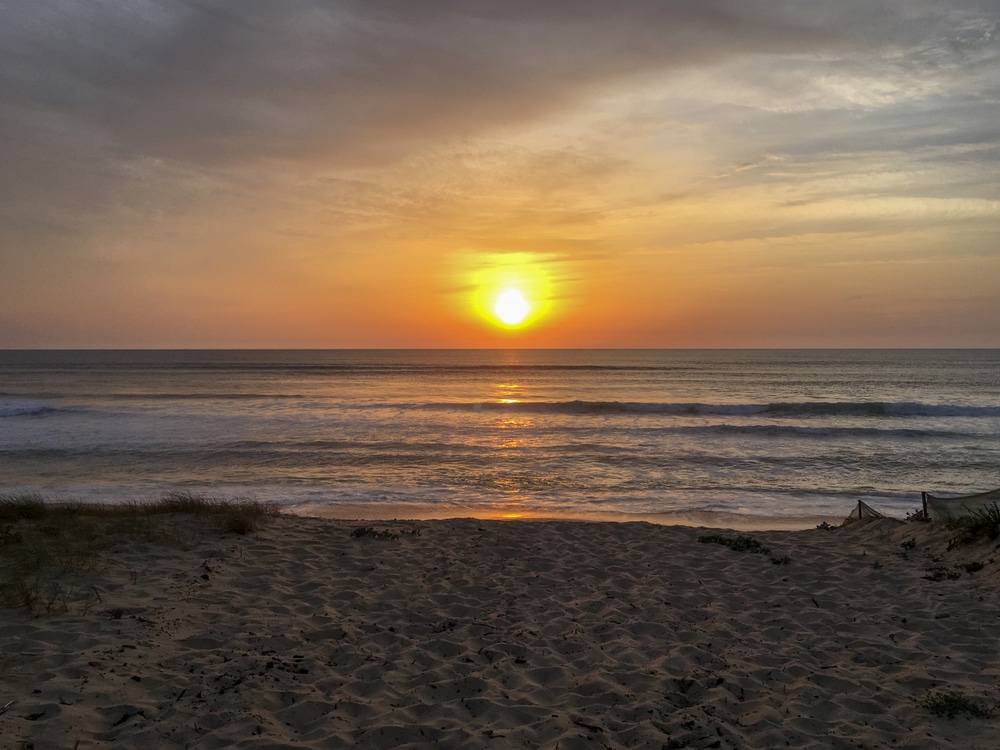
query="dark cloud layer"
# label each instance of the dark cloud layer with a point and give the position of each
(361, 81)
(358, 81)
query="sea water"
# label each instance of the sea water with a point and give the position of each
(771, 438)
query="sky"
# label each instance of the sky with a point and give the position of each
(375, 173)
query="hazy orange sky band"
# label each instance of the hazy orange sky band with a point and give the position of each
(726, 173)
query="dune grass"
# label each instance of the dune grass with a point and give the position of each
(984, 522)
(50, 553)
(236, 516)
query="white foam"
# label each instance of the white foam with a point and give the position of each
(18, 408)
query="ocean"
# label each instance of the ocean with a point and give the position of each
(743, 439)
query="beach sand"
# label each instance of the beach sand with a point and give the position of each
(493, 634)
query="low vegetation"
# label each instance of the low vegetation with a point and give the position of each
(979, 524)
(942, 573)
(744, 544)
(737, 544)
(50, 553)
(951, 705)
(370, 532)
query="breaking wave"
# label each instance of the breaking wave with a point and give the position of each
(22, 408)
(801, 409)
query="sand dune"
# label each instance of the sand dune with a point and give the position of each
(488, 634)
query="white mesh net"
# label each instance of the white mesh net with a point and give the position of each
(949, 508)
(863, 512)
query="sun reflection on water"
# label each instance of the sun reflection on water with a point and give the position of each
(511, 434)
(508, 393)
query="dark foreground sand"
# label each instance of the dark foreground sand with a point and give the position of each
(489, 634)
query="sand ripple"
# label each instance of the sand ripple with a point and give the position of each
(512, 634)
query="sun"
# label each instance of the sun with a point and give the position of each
(512, 291)
(511, 307)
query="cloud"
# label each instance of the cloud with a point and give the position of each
(177, 127)
(354, 82)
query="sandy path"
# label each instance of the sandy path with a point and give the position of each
(487, 634)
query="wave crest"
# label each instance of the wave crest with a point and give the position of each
(801, 409)
(22, 408)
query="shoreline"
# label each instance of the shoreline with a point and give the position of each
(687, 518)
(482, 633)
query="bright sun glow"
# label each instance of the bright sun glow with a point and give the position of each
(512, 291)
(511, 307)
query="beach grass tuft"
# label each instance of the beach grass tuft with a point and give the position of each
(951, 705)
(372, 533)
(941, 572)
(983, 522)
(21, 507)
(50, 553)
(737, 544)
(745, 544)
(368, 531)
(232, 516)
